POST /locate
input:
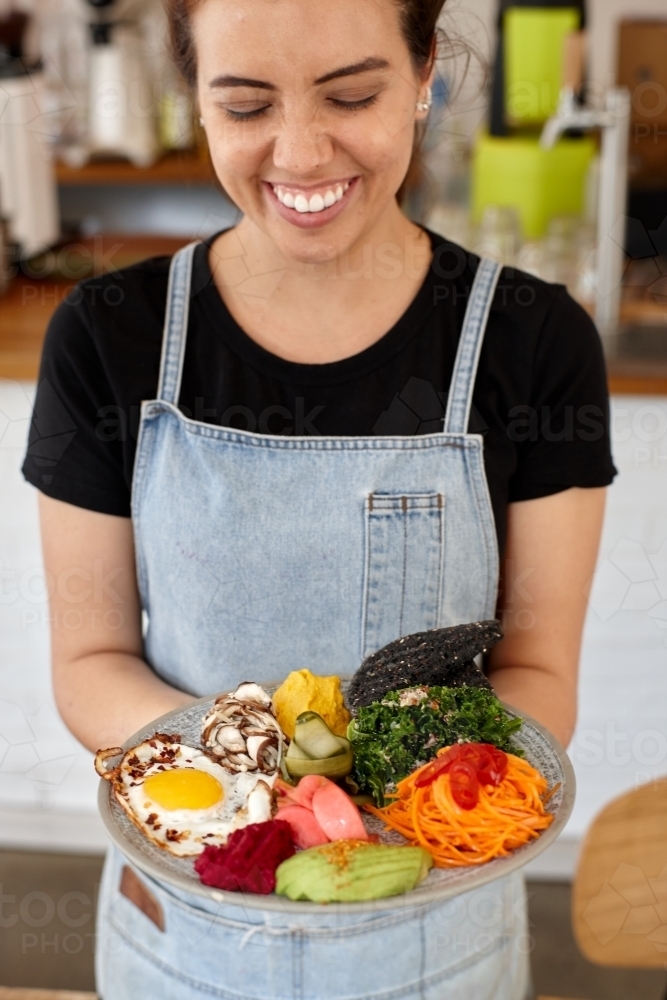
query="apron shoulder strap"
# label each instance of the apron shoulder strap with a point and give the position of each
(470, 345)
(175, 331)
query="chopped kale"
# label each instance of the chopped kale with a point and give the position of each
(392, 737)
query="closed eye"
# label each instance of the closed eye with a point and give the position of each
(354, 105)
(244, 116)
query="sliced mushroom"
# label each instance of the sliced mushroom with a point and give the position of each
(230, 738)
(259, 803)
(249, 691)
(242, 731)
(258, 746)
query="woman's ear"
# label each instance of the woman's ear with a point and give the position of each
(427, 76)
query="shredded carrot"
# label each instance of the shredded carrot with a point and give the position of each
(506, 816)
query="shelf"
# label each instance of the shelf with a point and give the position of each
(637, 385)
(644, 312)
(173, 168)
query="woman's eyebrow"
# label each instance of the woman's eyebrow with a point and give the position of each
(361, 67)
(240, 81)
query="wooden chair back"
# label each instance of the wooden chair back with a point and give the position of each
(619, 897)
(11, 993)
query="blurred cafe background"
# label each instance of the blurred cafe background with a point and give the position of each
(547, 149)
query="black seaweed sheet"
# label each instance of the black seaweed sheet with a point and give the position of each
(441, 656)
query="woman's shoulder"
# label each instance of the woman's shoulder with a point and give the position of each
(107, 331)
(525, 302)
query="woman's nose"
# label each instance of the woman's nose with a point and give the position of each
(301, 145)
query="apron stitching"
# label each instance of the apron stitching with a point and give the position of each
(422, 956)
(389, 919)
(175, 324)
(483, 504)
(174, 972)
(367, 570)
(138, 489)
(297, 965)
(442, 504)
(404, 504)
(341, 442)
(475, 321)
(394, 994)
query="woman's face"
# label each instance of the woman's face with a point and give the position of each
(309, 108)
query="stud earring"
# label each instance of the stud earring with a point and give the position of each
(201, 121)
(425, 105)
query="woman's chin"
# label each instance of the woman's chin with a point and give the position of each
(317, 248)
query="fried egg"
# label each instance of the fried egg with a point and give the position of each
(181, 798)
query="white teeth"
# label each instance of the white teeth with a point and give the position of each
(316, 203)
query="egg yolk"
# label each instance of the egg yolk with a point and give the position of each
(183, 788)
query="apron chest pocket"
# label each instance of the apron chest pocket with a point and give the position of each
(405, 548)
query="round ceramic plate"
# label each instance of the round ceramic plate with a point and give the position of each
(540, 748)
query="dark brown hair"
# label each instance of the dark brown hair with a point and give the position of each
(419, 20)
(419, 23)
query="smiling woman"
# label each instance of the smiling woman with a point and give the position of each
(310, 479)
(311, 111)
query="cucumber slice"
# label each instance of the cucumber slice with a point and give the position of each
(295, 752)
(329, 767)
(314, 737)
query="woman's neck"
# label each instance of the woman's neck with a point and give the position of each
(320, 313)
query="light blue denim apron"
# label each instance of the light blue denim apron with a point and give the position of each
(260, 554)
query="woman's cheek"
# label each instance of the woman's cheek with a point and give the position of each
(236, 157)
(386, 156)
(382, 140)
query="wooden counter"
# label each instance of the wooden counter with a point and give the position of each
(27, 306)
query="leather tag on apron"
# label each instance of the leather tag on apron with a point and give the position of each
(134, 889)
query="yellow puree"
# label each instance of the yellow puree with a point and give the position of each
(302, 691)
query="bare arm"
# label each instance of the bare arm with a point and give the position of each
(104, 690)
(552, 547)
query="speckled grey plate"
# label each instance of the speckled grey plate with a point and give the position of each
(541, 750)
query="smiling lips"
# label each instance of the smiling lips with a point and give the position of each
(316, 202)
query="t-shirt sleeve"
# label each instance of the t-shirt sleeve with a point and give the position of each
(562, 436)
(71, 455)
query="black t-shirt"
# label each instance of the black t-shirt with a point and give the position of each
(540, 396)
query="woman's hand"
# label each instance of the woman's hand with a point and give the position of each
(552, 547)
(104, 690)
